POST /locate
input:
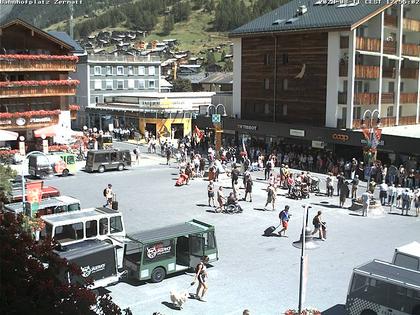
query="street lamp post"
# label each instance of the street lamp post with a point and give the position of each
(217, 123)
(305, 242)
(371, 128)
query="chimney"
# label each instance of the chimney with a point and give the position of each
(302, 9)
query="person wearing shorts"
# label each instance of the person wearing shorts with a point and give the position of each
(201, 276)
(210, 193)
(284, 219)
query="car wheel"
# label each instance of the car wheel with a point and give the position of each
(43, 175)
(120, 167)
(101, 169)
(65, 172)
(158, 274)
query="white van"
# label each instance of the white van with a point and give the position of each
(408, 256)
(93, 223)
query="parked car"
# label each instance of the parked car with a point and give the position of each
(40, 166)
(104, 160)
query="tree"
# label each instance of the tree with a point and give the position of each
(222, 56)
(168, 25)
(228, 67)
(6, 174)
(211, 59)
(29, 286)
(182, 85)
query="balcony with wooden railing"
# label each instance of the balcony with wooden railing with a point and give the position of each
(408, 98)
(390, 20)
(409, 73)
(407, 120)
(389, 73)
(390, 47)
(366, 98)
(38, 88)
(33, 63)
(366, 72)
(411, 25)
(368, 44)
(387, 98)
(28, 119)
(411, 50)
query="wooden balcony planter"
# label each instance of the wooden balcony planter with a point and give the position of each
(390, 20)
(342, 97)
(30, 119)
(390, 48)
(411, 25)
(37, 88)
(366, 72)
(366, 98)
(411, 50)
(387, 98)
(344, 42)
(368, 44)
(408, 98)
(73, 111)
(36, 65)
(343, 69)
(407, 120)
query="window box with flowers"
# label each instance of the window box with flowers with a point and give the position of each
(42, 88)
(38, 62)
(73, 111)
(32, 113)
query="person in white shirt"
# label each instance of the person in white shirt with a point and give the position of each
(383, 191)
(392, 195)
(366, 197)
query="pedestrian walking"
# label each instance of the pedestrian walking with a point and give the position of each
(354, 186)
(344, 192)
(268, 168)
(108, 194)
(330, 186)
(406, 201)
(340, 181)
(202, 276)
(392, 194)
(318, 226)
(366, 197)
(137, 154)
(383, 192)
(221, 198)
(271, 196)
(284, 217)
(417, 201)
(168, 154)
(248, 187)
(210, 193)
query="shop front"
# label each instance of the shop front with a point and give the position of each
(174, 128)
(343, 143)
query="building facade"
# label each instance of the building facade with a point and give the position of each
(35, 80)
(324, 65)
(161, 114)
(111, 75)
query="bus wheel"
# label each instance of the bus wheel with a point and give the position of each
(368, 312)
(65, 172)
(120, 167)
(158, 274)
(101, 169)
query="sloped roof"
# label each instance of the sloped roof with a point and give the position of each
(12, 22)
(64, 37)
(218, 78)
(318, 16)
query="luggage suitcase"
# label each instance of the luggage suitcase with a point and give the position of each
(114, 204)
(268, 231)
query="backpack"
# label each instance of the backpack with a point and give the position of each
(281, 214)
(105, 192)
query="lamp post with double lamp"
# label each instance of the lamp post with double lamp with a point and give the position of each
(369, 132)
(216, 120)
(305, 242)
(23, 175)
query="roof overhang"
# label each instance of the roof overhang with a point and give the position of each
(292, 31)
(36, 30)
(373, 14)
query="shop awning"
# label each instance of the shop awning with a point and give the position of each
(50, 131)
(6, 135)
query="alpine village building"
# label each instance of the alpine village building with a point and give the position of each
(307, 72)
(35, 85)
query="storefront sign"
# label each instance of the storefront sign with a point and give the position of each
(40, 119)
(20, 121)
(318, 144)
(5, 122)
(216, 118)
(340, 137)
(297, 132)
(247, 127)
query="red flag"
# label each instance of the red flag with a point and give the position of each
(34, 191)
(198, 133)
(378, 134)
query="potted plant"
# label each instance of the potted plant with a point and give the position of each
(307, 311)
